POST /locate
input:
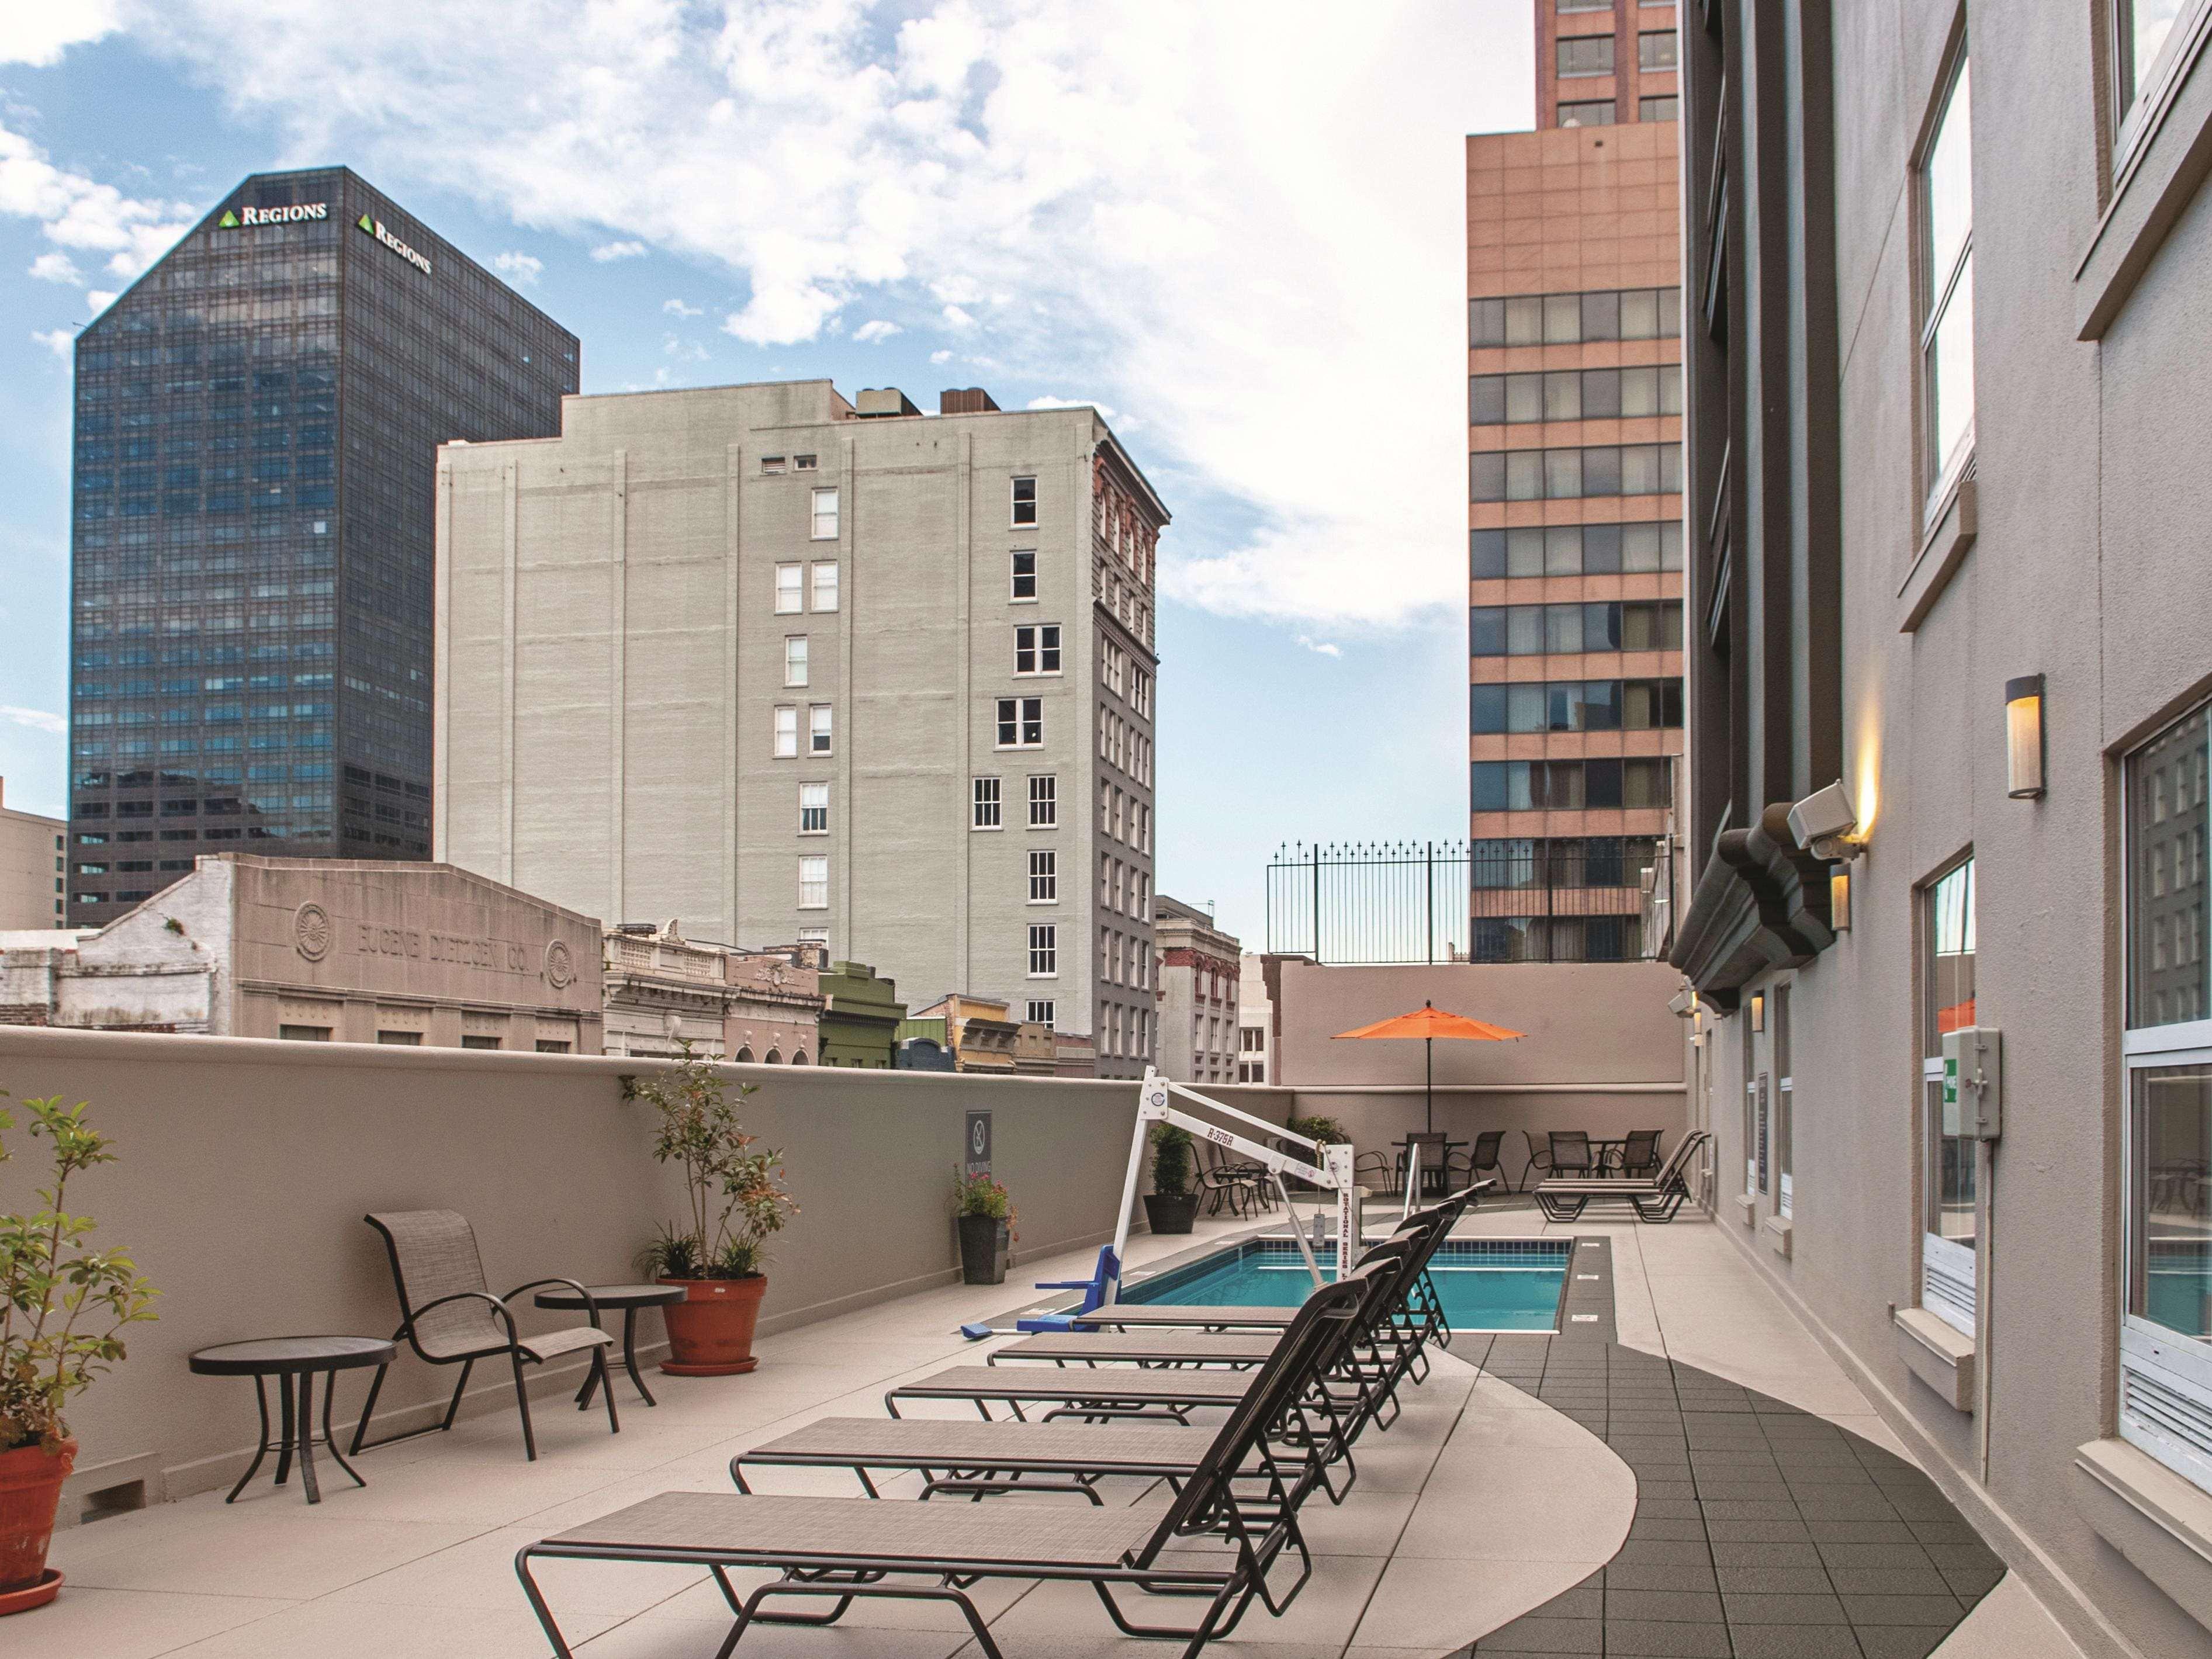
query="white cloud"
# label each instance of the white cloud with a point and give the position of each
(1321, 647)
(37, 719)
(39, 34)
(57, 267)
(940, 356)
(97, 300)
(1071, 402)
(688, 351)
(519, 267)
(607, 250)
(678, 308)
(62, 342)
(1128, 201)
(82, 214)
(869, 332)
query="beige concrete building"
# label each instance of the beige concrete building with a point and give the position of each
(1949, 277)
(323, 950)
(791, 667)
(1199, 972)
(32, 879)
(664, 990)
(1255, 1022)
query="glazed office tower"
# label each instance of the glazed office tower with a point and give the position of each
(1574, 439)
(258, 421)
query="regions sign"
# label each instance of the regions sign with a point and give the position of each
(242, 218)
(376, 228)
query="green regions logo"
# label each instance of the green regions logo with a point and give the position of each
(376, 228)
(242, 218)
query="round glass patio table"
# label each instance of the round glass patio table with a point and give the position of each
(629, 1298)
(286, 1358)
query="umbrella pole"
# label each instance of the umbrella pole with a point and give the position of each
(1428, 1080)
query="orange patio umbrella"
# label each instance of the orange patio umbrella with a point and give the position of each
(1428, 1022)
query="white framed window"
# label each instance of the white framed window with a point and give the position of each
(2150, 39)
(817, 728)
(1044, 801)
(1143, 896)
(1023, 589)
(815, 936)
(794, 659)
(813, 809)
(772, 463)
(1044, 876)
(825, 515)
(1021, 722)
(826, 585)
(814, 882)
(984, 810)
(787, 733)
(1144, 828)
(1025, 503)
(1140, 692)
(1112, 662)
(1105, 793)
(1115, 900)
(1040, 1011)
(805, 463)
(1947, 1178)
(1037, 648)
(1044, 949)
(1120, 801)
(1946, 277)
(2165, 1304)
(1105, 879)
(1784, 1095)
(787, 580)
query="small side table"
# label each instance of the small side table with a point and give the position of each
(285, 1357)
(629, 1298)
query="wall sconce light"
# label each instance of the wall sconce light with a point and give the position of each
(1839, 901)
(2024, 737)
(1759, 1012)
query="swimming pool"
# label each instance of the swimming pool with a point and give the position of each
(1485, 1284)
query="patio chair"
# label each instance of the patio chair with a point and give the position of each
(842, 1549)
(1467, 1167)
(1654, 1200)
(1381, 1173)
(1639, 1154)
(450, 1317)
(1430, 1144)
(1539, 1160)
(1570, 1153)
(1219, 1181)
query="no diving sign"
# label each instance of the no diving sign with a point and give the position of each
(976, 1149)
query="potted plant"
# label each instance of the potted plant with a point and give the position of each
(987, 1217)
(737, 1199)
(63, 1307)
(1172, 1205)
(1326, 1130)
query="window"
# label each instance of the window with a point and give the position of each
(787, 590)
(1044, 802)
(1947, 271)
(1946, 1000)
(479, 1040)
(794, 659)
(293, 1033)
(813, 809)
(552, 1046)
(1044, 949)
(805, 463)
(1037, 648)
(1585, 54)
(1025, 578)
(1667, 108)
(1021, 722)
(984, 809)
(787, 733)
(1778, 1029)
(1755, 1150)
(1595, 113)
(1040, 1012)
(1531, 475)
(2168, 1059)
(2149, 40)
(1575, 550)
(400, 1039)
(826, 585)
(1656, 50)
(1044, 876)
(825, 515)
(772, 463)
(1567, 6)
(817, 729)
(1025, 502)
(814, 883)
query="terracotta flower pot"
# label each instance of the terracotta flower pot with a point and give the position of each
(710, 1332)
(30, 1491)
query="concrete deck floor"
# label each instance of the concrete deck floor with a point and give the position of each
(1480, 1506)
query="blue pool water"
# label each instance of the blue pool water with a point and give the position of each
(1485, 1284)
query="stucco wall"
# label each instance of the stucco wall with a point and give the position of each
(246, 1167)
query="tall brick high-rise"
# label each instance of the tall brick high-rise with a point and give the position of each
(1574, 439)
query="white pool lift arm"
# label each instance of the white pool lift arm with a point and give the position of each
(1331, 1168)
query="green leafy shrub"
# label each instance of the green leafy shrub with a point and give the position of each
(1326, 1130)
(736, 1194)
(1172, 1144)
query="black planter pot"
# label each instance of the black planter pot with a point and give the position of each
(1173, 1213)
(982, 1250)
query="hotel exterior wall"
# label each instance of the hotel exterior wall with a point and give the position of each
(552, 1168)
(31, 859)
(2087, 567)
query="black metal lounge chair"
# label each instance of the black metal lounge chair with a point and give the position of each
(449, 1317)
(844, 1549)
(1654, 1200)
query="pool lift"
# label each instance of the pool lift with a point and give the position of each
(1328, 1166)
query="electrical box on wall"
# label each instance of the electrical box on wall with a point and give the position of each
(1973, 1083)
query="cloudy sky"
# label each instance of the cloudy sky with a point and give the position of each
(1236, 227)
